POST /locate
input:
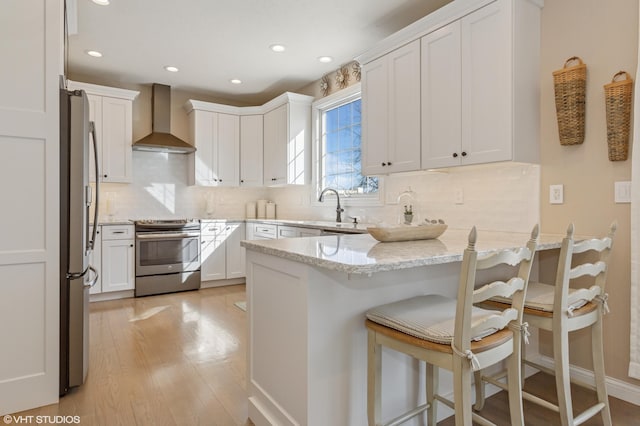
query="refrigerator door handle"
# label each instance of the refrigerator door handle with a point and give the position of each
(92, 129)
(95, 277)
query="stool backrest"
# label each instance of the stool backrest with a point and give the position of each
(566, 272)
(515, 286)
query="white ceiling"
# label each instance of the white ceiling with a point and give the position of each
(213, 41)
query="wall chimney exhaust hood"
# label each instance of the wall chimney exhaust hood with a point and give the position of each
(160, 139)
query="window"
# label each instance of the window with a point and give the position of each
(338, 134)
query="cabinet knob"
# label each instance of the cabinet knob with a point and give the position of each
(104, 176)
(464, 154)
(130, 245)
(241, 181)
(388, 163)
(384, 164)
(455, 155)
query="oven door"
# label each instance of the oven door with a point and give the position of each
(167, 252)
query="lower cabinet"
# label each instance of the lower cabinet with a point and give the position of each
(297, 232)
(222, 256)
(113, 257)
(118, 257)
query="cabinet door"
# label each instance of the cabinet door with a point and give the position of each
(251, 154)
(275, 146)
(441, 97)
(403, 140)
(116, 144)
(117, 265)
(95, 260)
(203, 126)
(236, 264)
(486, 85)
(213, 257)
(227, 150)
(375, 104)
(95, 115)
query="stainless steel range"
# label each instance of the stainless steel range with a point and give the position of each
(167, 256)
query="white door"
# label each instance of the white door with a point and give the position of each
(441, 97)
(116, 140)
(275, 146)
(251, 150)
(375, 111)
(213, 258)
(236, 264)
(228, 150)
(29, 180)
(117, 265)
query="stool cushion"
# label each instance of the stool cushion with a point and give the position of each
(430, 317)
(540, 297)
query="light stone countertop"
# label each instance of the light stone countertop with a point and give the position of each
(362, 254)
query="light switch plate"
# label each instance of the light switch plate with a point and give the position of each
(556, 194)
(459, 195)
(622, 192)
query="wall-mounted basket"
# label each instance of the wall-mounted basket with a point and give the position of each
(570, 85)
(618, 96)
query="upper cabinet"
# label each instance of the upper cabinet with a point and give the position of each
(478, 85)
(251, 146)
(391, 112)
(216, 136)
(287, 140)
(251, 150)
(111, 111)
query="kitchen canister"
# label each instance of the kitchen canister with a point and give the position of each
(262, 209)
(271, 210)
(250, 210)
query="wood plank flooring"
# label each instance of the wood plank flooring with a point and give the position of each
(179, 359)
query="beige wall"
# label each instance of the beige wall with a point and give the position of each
(605, 35)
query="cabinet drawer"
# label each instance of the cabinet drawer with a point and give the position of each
(117, 232)
(261, 230)
(213, 228)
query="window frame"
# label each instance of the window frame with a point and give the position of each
(318, 108)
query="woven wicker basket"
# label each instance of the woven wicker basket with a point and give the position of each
(570, 85)
(618, 95)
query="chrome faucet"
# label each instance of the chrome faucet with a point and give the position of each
(339, 209)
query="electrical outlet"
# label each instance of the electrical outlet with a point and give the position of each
(556, 194)
(459, 196)
(622, 192)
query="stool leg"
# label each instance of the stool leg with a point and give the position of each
(479, 384)
(514, 381)
(597, 349)
(462, 390)
(432, 388)
(374, 369)
(563, 382)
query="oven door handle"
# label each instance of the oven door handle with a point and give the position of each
(164, 236)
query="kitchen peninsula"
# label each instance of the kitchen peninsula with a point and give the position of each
(307, 299)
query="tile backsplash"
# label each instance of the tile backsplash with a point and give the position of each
(501, 196)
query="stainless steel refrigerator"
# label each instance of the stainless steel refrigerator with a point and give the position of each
(77, 236)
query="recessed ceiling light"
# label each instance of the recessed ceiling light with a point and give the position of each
(236, 81)
(325, 59)
(171, 69)
(94, 53)
(277, 48)
(101, 2)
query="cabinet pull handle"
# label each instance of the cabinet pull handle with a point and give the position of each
(464, 154)
(455, 155)
(118, 232)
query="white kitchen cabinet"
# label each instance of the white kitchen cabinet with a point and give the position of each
(236, 265)
(216, 137)
(285, 231)
(480, 87)
(391, 112)
(287, 140)
(111, 110)
(118, 258)
(95, 260)
(251, 150)
(213, 252)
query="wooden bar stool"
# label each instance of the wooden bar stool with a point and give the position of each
(562, 309)
(455, 335)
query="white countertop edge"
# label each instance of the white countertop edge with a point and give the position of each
(391, 256)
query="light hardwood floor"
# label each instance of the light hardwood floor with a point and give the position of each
(179, 359)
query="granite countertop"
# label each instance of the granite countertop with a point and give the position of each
(362, 254)
(343, 227)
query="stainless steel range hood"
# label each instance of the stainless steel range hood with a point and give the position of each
(160, 139)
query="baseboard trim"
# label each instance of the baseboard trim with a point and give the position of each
(615, 387)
